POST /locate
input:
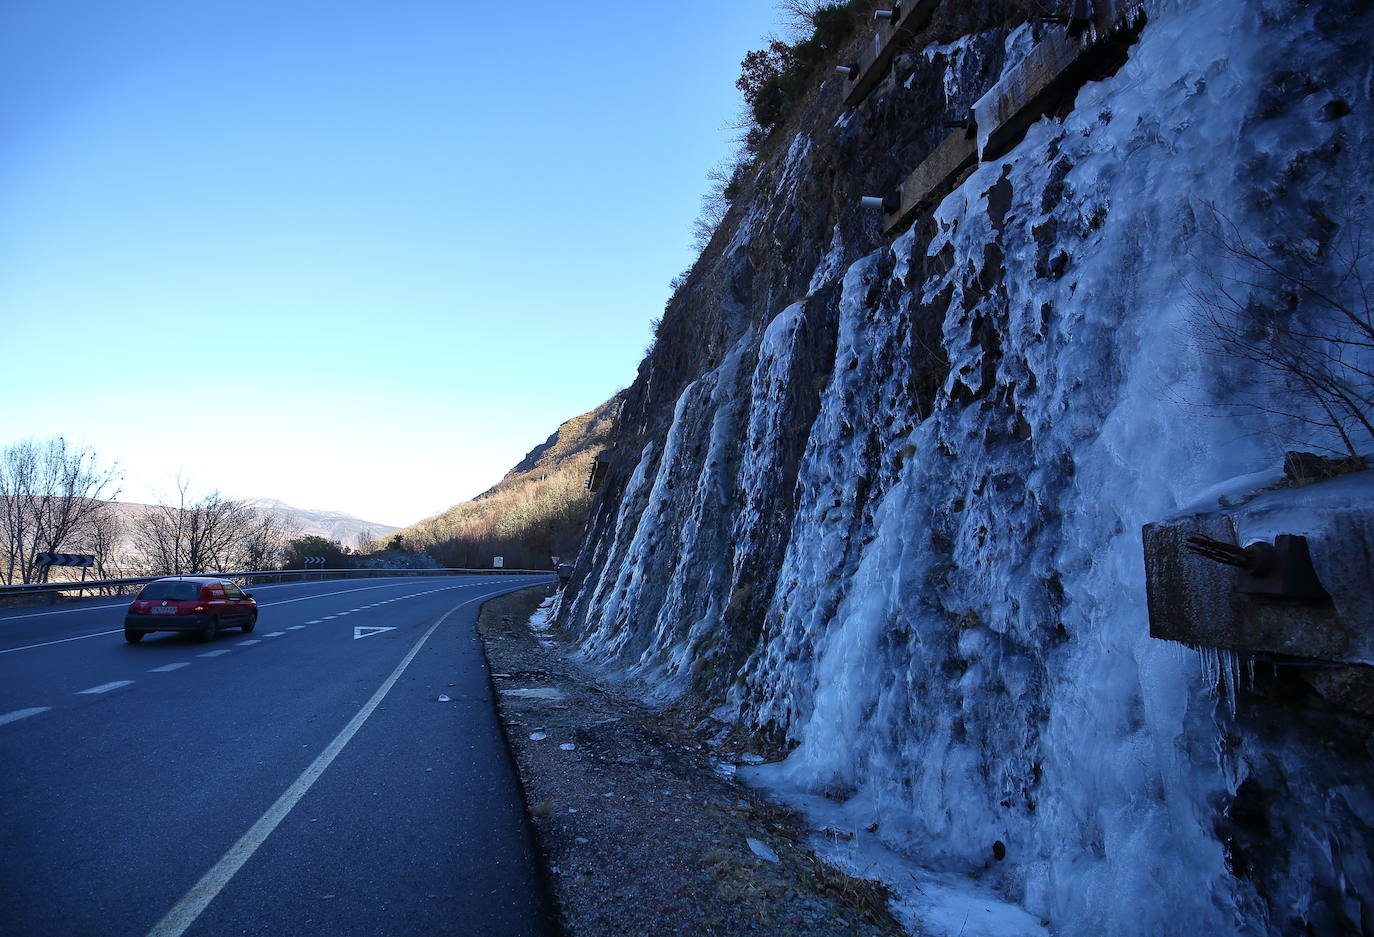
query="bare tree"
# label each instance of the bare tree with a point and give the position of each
(209, 533)
(266, 540)
(53, 497)
(105, 536)
(364, 540)
(1300, 315)
(799, 16)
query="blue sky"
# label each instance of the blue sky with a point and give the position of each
(357, 256)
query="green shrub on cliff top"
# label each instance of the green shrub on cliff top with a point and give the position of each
(774, 79)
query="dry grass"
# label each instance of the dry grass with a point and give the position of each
(864, 895)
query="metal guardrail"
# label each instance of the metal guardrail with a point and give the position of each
(121, 586)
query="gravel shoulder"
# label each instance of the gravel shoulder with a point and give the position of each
(639, 834)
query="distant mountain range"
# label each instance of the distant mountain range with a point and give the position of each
(332, 525)
(298, 522)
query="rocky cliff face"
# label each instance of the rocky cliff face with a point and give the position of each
(875, 501)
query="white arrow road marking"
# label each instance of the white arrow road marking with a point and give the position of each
(367, 632)
(22, 714)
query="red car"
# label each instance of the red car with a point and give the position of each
(198, 604)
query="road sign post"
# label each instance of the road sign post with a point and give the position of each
(83, 560)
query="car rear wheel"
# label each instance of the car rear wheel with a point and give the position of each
(133, 637)
(211, 626)
(250, 623)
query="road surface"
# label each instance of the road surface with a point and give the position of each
(303, 779)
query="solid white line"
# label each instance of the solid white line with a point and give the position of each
(61, 611)
(168, 668)
(195, 901)
(28, 647)
(22, 714)
(106, 687)
(219, 653)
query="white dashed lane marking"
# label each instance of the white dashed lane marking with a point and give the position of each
(106, 687)
(248, 643)
(22, 714)
(295, 627)
(168, 668)
(315, 622)
(214, 653)
(274, 634)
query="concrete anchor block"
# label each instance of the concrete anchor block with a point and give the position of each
(1050, 74)
(911, 18)
(934, 178)
(1249, 587)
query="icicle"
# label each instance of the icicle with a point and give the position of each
(1222, 674)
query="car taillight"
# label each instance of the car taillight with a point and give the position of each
(198, 608)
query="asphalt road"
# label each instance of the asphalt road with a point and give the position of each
(303, 779)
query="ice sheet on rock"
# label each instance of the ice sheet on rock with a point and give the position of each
(957, 644)
(979, 670)
(1018, 45)
(701, 571)
(665, 594)
(790, 174)
(829, 267)
(954, 54)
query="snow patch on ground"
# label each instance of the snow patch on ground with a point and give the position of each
(541, 619)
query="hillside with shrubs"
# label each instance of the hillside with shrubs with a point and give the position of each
(535, 512)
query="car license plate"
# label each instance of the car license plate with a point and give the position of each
(163, 611)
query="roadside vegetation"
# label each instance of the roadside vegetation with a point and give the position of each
(772, 80)
(53, 499)
(59, 498)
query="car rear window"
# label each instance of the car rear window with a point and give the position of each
(176, 591)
